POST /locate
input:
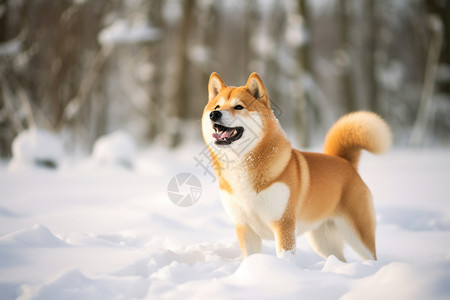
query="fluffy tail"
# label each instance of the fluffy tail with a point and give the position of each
(357, 131)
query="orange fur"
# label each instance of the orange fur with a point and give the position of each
(357, 131)
(323, 193)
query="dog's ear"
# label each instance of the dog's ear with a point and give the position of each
(216, 84)
(256, 88)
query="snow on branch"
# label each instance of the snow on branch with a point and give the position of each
(122, 32)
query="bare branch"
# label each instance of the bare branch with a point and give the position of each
(426, 99)
(73, 107)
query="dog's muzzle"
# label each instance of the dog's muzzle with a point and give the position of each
(224, 135)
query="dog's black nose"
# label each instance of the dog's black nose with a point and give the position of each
(215, 115)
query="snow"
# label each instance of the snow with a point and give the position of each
(86, 231)
(172, 11)
(122, 32)
(36, 147)
(38, 236)
(115, 149)
(10, 47)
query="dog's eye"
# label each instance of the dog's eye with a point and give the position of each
(217, 107)
(238, 107)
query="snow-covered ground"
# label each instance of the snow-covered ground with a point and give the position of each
(99, 231)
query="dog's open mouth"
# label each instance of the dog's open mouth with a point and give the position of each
(226, 135)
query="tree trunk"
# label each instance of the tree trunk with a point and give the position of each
(180, 80)
(5, 133)
(426, 99)
(371, 54)
(344, 57)
(305, 70)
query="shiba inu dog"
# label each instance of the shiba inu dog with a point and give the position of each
(272, 191)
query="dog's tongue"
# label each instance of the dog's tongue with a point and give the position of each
(221, 135)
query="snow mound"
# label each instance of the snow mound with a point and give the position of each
(38, 236)
(264, 268)
(404, 281)
(75, 285)
(269, 277)
(36, 148)
(145, 267)
(355, 270)
(259, 276)
(115, 149)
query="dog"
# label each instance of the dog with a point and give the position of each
(272, 191)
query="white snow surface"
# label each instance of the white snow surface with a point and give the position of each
(102, 233)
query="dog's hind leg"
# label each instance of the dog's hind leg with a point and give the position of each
(361, 237)
(326, 240)
(358, 223)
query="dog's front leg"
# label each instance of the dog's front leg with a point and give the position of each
(284, 231)
(249, 241)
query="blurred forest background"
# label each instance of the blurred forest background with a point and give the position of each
(85, 68)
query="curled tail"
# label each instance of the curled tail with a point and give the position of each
(355, 132)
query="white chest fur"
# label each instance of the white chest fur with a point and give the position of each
(258, 210)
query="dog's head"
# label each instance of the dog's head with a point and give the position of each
(236, 118)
